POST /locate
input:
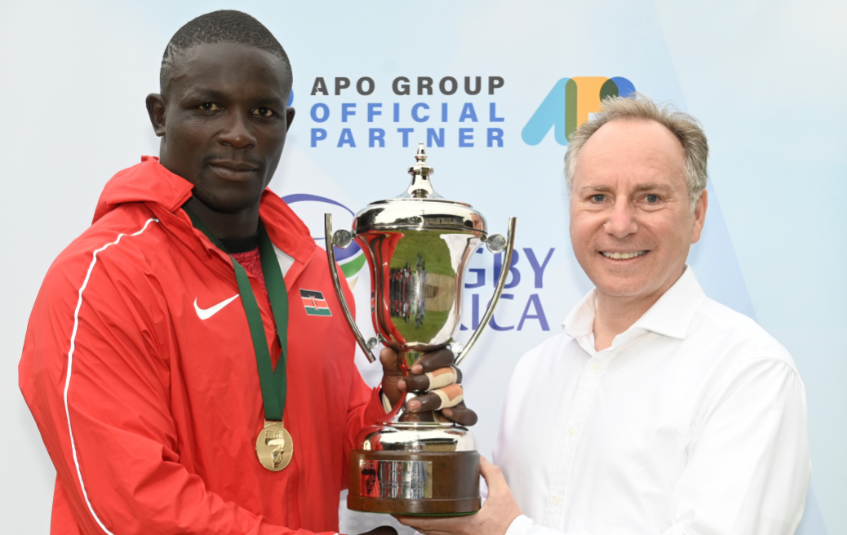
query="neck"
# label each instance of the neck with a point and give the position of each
(225, 226)
(614, 315)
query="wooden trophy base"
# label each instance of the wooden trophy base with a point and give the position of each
(414, 483)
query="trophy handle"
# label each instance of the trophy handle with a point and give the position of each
(501, 283)
(336, 282)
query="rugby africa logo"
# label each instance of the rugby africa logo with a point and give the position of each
(571, 103)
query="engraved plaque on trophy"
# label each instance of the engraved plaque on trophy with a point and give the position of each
(417, 246)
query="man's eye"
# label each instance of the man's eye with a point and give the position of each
(209, 106)
(652, 199)
(598, 198)
(263, 112)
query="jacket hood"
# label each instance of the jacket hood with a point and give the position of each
(150, 182)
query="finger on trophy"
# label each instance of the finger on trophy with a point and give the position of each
(433, 380)
(460, 414)
(449, 396)
(440, 358)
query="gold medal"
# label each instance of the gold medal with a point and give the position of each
(274, 446)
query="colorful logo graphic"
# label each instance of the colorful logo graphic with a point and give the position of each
(350, 259)
(315, 303)
(569, 104)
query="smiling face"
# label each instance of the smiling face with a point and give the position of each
(631, 224)
(223, 121)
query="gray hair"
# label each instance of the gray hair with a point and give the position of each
(637, 107)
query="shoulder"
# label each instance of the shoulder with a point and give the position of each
(124, 240)
(106, 269)
(735, 331)
(748, 374)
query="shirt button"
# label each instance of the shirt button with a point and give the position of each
(555, 500)
(572, 430)
(597, 368)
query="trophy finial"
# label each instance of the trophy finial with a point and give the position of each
(421, 187)
(421, 155)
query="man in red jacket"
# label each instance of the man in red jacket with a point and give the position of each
(178, 381)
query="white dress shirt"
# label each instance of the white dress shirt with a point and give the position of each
(692, 422)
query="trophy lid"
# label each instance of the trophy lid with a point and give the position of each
(419, 207)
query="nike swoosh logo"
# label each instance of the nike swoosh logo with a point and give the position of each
(206, 313)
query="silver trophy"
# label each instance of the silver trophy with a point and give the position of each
(417, 246)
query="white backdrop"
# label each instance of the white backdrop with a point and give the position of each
(764, 79)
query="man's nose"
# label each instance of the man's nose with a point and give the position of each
(238, 133)
(621, 222)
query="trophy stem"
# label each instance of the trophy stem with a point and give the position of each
(407, 359)
(417, 417)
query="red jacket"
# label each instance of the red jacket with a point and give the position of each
(150, 413)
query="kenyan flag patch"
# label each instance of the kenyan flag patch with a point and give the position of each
(315, 303)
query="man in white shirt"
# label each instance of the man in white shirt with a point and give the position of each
(657, 410)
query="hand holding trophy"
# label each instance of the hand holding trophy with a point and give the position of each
(436, 381)
(417, 247)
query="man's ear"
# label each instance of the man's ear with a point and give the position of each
(156, 111)
(289, 117)
(700, 215)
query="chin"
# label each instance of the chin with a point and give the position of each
(622, 292)
(621, 286)
(228, 202)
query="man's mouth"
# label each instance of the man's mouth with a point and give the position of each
(623, 256)
(233, 170)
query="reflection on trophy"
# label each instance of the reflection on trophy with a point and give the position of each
(417, 246)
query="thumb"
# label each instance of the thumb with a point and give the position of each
(389, 360)
(493, 475)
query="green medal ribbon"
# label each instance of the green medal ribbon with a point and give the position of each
(273, 382)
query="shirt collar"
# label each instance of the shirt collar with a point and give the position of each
(580, 321)
(670, 316)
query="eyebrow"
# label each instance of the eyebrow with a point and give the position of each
(209, 94)
(653, 186)
(214, 95)
(603, 189)
(650, 186)
(269, 101)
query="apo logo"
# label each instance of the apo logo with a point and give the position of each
(571, 103)
(350, 259)
(377, 113)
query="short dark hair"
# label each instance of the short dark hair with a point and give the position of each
(224, 26)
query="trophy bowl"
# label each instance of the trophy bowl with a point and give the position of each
(417, 247)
